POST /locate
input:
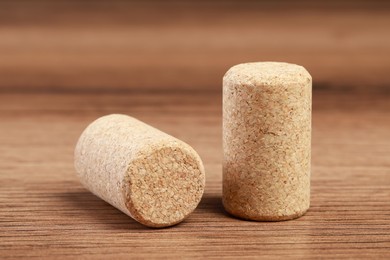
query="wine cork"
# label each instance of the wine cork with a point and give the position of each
(149, 175)
(266, 141)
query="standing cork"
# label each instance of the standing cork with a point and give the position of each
(151, 176)
(266, 141)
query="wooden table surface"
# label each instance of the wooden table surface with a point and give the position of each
(65, 63)
(45, 212)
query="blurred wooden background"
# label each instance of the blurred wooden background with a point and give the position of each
(110, 45)
(65, 63)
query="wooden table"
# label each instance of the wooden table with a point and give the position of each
(64, 63)
(45, 212)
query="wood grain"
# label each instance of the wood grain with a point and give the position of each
(46, 213)
(56, 45)
(65, 63)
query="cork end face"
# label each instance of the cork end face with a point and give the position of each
(163, 187)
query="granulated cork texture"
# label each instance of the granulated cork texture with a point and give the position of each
(266, 141)
(151, 176)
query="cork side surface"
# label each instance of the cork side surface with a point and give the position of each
(266, 141)
(163, 187)
(112, 145)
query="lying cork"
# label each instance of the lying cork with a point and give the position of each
(266, 141)
(149, 175)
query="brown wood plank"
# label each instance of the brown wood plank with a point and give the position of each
(56, 45)
(45, 212)
(65, 63)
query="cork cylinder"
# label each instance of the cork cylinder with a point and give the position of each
(149, 175)
(266, 141)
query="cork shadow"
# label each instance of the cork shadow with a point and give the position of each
(212, 204)
(88, 209)
(91, 210)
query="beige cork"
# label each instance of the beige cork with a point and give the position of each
(266, 141)
(151, 176)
